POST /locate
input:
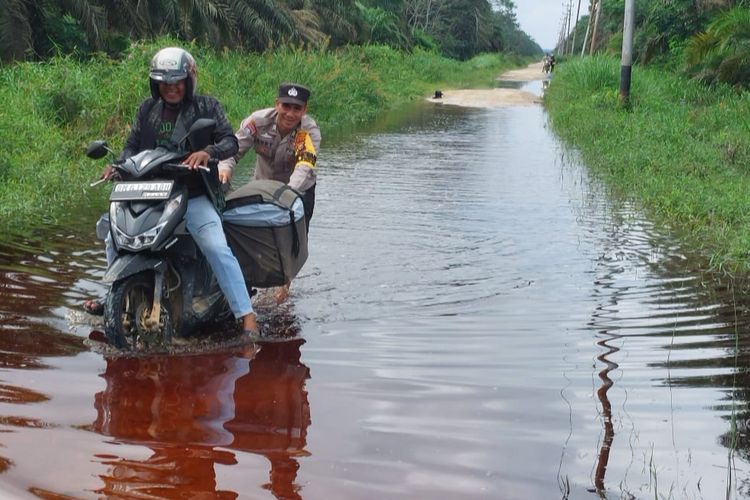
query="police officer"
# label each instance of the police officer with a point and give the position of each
(286, 140)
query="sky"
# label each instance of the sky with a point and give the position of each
(542, 19)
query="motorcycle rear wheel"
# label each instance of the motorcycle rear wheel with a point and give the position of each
(126, 310)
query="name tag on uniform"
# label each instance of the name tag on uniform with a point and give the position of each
(263, 147)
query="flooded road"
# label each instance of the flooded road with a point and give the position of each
(478, 318)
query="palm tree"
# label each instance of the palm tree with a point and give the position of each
(383, 26)
(341, 20)
(15, 30)
(259, 24)
(722, 52)
(27, 26)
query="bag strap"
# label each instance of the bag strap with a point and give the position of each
(280, 192)
(295, 234)
(292, 223)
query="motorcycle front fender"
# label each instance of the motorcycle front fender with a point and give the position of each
(130, 264)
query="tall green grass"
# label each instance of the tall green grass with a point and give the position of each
(52, 110)
(681, 149)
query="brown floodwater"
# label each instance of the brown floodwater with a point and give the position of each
(478, 318)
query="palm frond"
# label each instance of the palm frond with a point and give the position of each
(133, 17)
(700, 46)
(93, 19)
(723, 50)
(307, 26)
(260, 23)
(210, 21)
(15, 30)
(340, 19)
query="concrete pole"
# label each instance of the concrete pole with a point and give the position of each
(560, 47)
(626, 65)
(567, 29)
(596, 27)
(588, 27)
(578, 13)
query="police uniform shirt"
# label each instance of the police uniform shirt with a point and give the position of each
(276, 156)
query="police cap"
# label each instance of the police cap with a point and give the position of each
(293, 93)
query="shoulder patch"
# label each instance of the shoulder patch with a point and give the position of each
(304, 150)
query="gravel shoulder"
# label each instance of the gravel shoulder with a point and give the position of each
(497, 97)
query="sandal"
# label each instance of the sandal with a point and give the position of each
(94, 307)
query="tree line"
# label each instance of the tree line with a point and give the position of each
(708, 40)
(459, 29)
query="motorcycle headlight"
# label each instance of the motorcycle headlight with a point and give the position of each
(139, 241)
(146, 238)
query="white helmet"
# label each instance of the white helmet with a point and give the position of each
(171, 65)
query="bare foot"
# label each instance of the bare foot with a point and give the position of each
(282, 294)
(250, 324)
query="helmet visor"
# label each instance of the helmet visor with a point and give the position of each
(167, 75)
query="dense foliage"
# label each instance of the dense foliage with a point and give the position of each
(51, 110)
(38, 29)
(705, 39)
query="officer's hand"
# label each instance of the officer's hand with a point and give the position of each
(225, 176)
(197, 159)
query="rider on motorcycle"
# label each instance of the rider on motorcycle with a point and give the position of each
(172, 108)
(548, 63)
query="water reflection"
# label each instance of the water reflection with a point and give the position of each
(609, 429)
(198, 412)
(655, 301)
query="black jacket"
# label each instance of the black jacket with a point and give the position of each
(146, 124)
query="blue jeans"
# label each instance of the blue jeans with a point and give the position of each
(204, 225)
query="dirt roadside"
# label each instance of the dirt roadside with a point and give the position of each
(497, 97)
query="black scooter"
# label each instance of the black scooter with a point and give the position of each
(161, 284)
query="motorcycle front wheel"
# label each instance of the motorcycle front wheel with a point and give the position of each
(127, 312)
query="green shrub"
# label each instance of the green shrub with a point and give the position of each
(53, 109)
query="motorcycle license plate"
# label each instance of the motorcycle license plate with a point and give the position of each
(146, 190)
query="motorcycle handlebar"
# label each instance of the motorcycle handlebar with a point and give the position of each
(183, 166)
(179, 166)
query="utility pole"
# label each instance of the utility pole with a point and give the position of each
(567, 37)
(626, 65)
(588, 27)
(561, 37)
(596, 26)
(578, 13)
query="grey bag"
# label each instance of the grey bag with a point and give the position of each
(265, 226)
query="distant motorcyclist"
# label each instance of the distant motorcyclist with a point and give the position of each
(548, 63)
(164, 117)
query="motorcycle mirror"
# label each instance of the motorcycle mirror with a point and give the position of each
(97, 149)
(201, 134)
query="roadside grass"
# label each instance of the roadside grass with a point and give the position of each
(681, 149)
(52, 110)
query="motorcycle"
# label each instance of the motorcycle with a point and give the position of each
(161, 284)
